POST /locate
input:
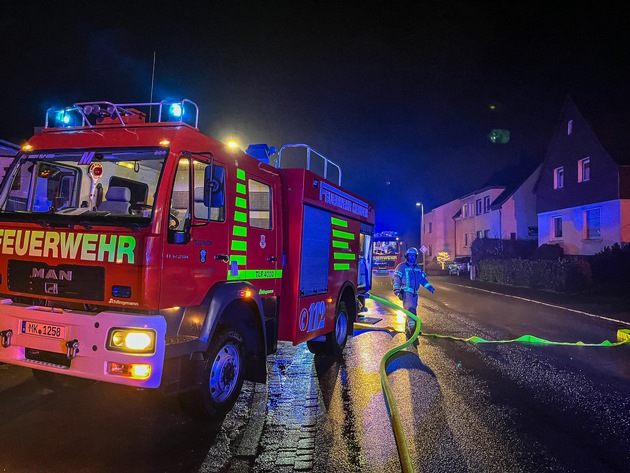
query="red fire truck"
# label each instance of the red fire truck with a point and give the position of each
(138, 251)
(389, 250)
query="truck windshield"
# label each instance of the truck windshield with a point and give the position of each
(83, 185)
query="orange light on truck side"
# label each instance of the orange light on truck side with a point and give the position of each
(129, 370)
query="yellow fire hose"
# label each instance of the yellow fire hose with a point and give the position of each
(623, 336)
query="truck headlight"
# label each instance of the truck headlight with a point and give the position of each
(131, 340)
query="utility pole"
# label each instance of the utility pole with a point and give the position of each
(421, 205)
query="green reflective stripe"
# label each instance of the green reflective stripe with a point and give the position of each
(340, 244)
(240, 174)
(341, 266)
(240, 217)
(256, 274)
(344, 256)
(339, 222)
(241, 260)
(344, 235)
(239, 230)
(240, 188)
(241, 202)
(238, 245)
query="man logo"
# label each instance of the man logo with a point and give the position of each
(61, 275)
(51, 288)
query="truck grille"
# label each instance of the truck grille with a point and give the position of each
(65, 280)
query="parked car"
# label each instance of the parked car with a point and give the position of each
(459, 266)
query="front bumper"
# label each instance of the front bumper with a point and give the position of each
(82, 352)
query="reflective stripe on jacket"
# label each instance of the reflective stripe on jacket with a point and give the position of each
(409, 278)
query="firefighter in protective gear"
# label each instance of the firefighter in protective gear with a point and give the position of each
(408, 278)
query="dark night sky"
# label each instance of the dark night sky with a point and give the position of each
(397, 93)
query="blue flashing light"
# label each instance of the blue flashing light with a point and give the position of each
(62, 118)
(176, 110)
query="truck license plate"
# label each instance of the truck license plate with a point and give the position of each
(43, 330)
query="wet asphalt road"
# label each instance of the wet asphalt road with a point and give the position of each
(500, 407)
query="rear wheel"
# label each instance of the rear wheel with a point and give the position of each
(335, 340)
(222, 379)
(60, 382)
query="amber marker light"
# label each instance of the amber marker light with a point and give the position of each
(140, 371)
(165, 143)
(129, 370)
(329, 300)
(27, 147)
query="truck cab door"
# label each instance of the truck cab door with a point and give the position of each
(255, 249)
(197, 248)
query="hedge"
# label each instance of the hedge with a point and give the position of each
(563, 275)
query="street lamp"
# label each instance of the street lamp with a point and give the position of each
(419, 204)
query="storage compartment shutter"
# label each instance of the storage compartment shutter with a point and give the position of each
(315, 252)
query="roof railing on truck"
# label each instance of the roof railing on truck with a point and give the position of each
(92, 114)
(310, 151)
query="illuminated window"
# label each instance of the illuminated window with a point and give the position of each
(569, 127)
(486, 204)
(479, 233)
(465, 211)
(259, 204)
(556, 227)
(584, 170)
(558, 178)
(478, 204)
(592, 224)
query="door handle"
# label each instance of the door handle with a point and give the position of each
(272, 258)
(221, 257)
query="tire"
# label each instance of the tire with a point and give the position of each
(223, 377)
(335, 340)
(316, 348)
(59, 382)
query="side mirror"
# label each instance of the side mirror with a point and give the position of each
(214, 185)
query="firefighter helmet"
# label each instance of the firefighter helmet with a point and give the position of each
(411, 251)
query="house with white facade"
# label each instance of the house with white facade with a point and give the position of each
(516, 208)
(501, 212)
(583, 190)
(438, 230)
(476, 219)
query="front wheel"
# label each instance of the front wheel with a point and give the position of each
(222, 379)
